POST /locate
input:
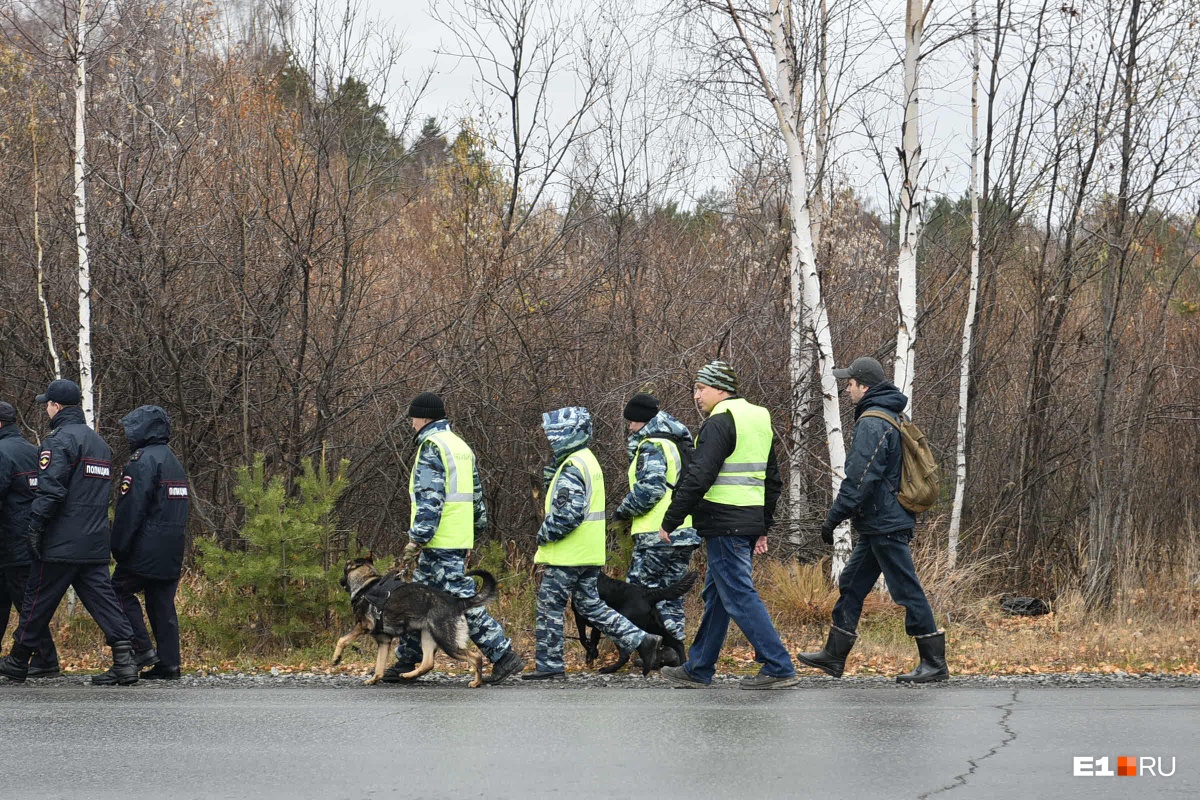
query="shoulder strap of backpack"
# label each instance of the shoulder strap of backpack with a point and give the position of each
(881, 415)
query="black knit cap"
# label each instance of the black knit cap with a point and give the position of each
(7, 412)
(427, 405)
(641, 407)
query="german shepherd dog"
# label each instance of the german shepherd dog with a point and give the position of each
(640, 606)
(386, 608)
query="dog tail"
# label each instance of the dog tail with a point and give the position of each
(486, 594)
(673, 592)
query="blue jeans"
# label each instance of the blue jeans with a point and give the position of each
(888, 553)
(729, 594)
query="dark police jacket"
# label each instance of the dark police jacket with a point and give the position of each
(74, 483)
(18, 479)
(150, 526)
(869, 494)
(714, 444)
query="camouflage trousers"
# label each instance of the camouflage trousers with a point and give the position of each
(443, 569)
(579, 584)
(659, 567)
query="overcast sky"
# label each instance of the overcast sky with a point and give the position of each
(455, 91)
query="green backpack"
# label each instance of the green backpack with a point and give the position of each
(920, 479)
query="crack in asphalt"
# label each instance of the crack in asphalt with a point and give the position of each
(1009, 736)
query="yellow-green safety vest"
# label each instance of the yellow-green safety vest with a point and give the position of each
(584, 546)
(651, 521)
(742, 480)
(456, 528)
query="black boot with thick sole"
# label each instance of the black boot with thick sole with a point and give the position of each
(15, 665)
(932, 648)
(832, 659)
(124, 671)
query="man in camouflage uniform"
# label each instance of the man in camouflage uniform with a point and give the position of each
(446, 513)
(657, 444)
(572, 546)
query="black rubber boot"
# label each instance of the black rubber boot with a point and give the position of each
(146, 658)
(544, 676)
(15, 665)
(509, 664)
(932, 648)
(45, 671)
(124, 671)
(832, 659)
(395, 673)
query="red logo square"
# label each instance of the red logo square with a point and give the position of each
(1127, 766)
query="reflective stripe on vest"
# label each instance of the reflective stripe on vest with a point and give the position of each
(584, 546)
(742, 480)
(456, 528)
(651, 521)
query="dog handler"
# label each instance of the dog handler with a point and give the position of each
(571, 543)
(447, 510)
(656, 442)
(731, 489)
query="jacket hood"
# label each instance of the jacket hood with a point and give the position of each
(568, 429)
(663, 426)
(437, 426)
(146, 425)
(885, 396)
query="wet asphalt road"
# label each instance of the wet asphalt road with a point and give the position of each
(865, 740)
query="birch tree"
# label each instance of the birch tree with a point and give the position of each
(964, 370)
(78, 57)
(910, 201)
(785, 92)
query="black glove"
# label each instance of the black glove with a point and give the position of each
(827, 534)
(35, 541)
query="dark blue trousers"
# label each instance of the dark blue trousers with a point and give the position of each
(49, 581)
(888, 553)
(160, 608)
(12, 591)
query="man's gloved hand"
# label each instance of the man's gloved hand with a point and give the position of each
(827, 534)
(35, 541)
(411, 551)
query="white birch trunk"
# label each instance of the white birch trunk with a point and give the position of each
(910, 205)
(81, 235)
(964, 367)
(37, 243)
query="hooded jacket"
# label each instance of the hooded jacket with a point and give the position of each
(70, 510)
(651, 483)
(150, 526)
(18, 483)
(568, 431)
(869, 494)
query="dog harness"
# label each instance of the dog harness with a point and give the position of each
(376, 594)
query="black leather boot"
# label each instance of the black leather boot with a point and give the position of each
(832, 659)
(15, 665)
(509, 664)
(395, 673)
(124, 671)
(161, 672)
(932, 648)
(648, 652)
(146, 658)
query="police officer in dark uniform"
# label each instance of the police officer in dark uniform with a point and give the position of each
(18, 480)
(148, 538)
(69, 538)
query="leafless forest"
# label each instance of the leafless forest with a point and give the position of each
(283, 247)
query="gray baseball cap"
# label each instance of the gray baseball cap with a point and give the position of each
(865, 370)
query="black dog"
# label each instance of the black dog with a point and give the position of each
(638, 605)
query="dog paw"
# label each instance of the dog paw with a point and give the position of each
(475, 684)
(337, 661)
(371, 681)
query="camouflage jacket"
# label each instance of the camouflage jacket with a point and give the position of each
(568, 430)
(651, 482)
(429, 485)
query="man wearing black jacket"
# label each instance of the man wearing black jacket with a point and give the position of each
(869, 498)
(149, 534)
(18, 481)
(69, 538)
(730, 489)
